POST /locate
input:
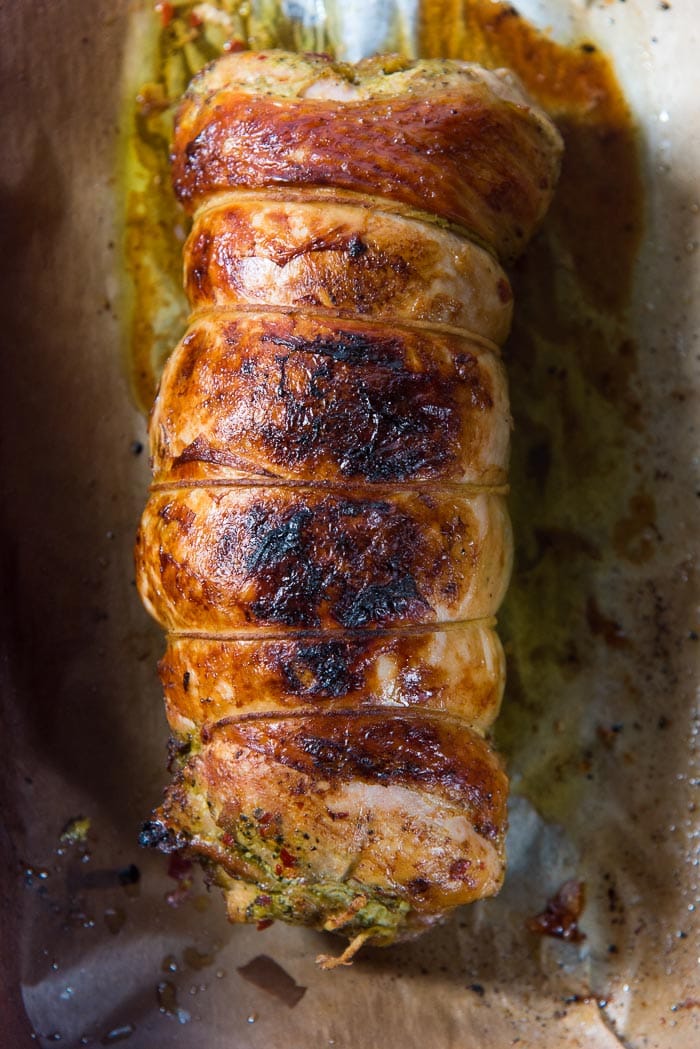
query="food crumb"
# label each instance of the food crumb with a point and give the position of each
(560, 917)
(75, 831)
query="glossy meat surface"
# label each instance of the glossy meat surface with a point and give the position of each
(327, 541)
(354, 259)
(219, 558)
(456, 670)
(288, 397)
(374, 806)
(446, 138)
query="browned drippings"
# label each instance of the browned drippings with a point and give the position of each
(572, 367)
(598, 217)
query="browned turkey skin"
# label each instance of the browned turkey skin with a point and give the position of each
(326, 540)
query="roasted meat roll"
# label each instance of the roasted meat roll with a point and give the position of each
(327, 541)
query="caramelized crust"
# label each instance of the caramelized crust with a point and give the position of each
(326, 540)
(214, 559)
(456, 671)
(286, 396)
(441, 140)
(306, 814)
(343, 259)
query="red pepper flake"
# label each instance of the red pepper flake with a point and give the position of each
(228, 840)
(287, 859)
(166, 12)
(264, 924)
(267, 825)
(263, 900)
(560, 917)
(234, 45)
(196, 20)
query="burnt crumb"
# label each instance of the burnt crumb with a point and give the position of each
(155, 834)
(136, 447)
(186, 681)
(560, 917)
(477, 988)
(589, 48)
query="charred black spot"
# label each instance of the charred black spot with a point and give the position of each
(378, 602)
(401, 442)
(315, 559)
(356, 247)
(271, 544)
(279, 553)
(320, 670)
(376, 427)
(155, 834)
(350, 347)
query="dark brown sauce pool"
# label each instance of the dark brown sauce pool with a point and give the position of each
(571, 362)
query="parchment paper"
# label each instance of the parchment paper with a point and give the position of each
(94, 949)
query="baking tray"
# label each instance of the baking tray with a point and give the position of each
(101, 942)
